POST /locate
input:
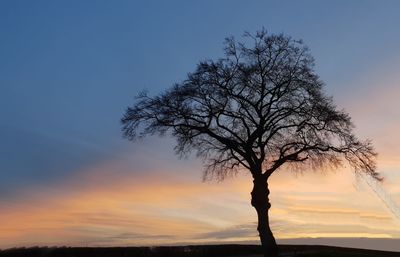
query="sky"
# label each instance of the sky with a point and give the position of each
(69, 69)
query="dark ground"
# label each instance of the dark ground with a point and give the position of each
(195, 251)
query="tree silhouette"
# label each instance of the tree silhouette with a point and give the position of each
(259, 108)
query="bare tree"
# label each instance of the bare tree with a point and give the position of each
(260, 108)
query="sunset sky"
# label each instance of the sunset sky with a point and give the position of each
(68, 70)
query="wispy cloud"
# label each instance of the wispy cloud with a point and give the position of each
(107, 205)
(237, 232)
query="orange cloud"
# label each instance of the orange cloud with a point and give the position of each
(111, 204)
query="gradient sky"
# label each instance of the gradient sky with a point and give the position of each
(68, 70)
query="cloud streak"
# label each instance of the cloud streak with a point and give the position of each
(109, 205)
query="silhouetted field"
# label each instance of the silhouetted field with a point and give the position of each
(193, 250)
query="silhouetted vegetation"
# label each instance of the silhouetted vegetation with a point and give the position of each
(259, 108)
(192, 251)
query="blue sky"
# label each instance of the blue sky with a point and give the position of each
(68, 70)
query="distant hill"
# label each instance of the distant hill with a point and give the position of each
(193, 251)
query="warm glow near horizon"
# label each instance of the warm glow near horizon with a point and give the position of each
(163, 208)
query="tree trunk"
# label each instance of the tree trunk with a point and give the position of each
(260, 201)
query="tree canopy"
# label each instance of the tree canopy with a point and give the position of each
(259, 107)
